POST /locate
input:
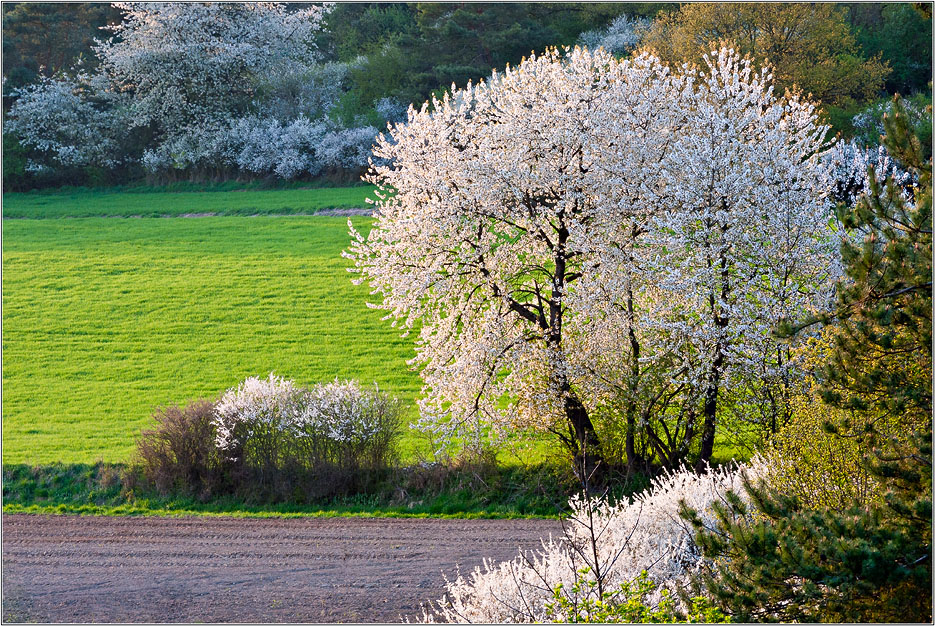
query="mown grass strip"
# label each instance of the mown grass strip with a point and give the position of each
(111, 203)
(145, 511)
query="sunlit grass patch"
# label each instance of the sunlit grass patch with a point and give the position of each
(112, 203)
(105, 319)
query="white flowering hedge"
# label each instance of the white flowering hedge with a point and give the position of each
(272, 425)
(215, 87)
(645, 534)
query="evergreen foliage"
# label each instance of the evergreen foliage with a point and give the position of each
(858, 565)
(882, 359)
(902, 35)
(43, 38)
(867, 562)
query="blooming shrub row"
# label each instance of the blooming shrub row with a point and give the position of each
(604, 548)
(271, 439)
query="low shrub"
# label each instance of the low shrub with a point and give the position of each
(819, 455)
(180, 452)
(290, 442)
(631, 603)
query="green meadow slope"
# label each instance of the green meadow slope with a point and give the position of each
(105, 319)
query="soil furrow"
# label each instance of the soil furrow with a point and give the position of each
(111, 569)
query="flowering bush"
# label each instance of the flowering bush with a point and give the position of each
(339, 433)
(605, 546)
(630, 603)
(868, 124)
(210, 88)
(622, 35)
(68, 122)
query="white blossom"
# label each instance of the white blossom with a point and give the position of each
(644, 534)
(537, 226)
(341, 411)
(184, 63)
(619, 37)
(71, 121)
(850, 163)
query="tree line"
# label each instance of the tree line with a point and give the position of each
(365, 63)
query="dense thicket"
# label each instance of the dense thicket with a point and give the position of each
(41, 39)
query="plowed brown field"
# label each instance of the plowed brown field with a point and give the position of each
(120, 569)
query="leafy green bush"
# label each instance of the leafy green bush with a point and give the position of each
(15, 176)
(631, 603)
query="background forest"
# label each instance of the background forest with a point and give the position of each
(356, 67)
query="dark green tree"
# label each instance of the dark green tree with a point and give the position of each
(785, 562)
(415, 49)
(902, 35)
(882, 362)
(44, 37)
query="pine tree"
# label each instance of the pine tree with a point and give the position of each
(882, 359)
(783, 561)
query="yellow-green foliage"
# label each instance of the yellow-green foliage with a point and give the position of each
(807, 45)
(820, 467)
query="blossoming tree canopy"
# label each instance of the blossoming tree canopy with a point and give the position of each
(513, 214)
(740, 238)
(188, 61)
(488, 231)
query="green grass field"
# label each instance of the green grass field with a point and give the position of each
(105, 319)
(91, 203)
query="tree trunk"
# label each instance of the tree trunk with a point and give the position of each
(710, 412)
(714, 377)
(634, 461)
(589, 463)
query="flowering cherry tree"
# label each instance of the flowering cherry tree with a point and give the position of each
(185, 63)
(581, 229)
(739, 239)
(488, 232)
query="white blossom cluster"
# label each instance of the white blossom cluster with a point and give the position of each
(60, 121)
(850, 163)
(618, 540)
(264, 145)
(586, 227)
(621, 36)
(340, 411)
(182, 63)
(217, 85)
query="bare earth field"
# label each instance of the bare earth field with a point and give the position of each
(121, 569)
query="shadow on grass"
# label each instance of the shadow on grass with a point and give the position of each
(428, 490)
